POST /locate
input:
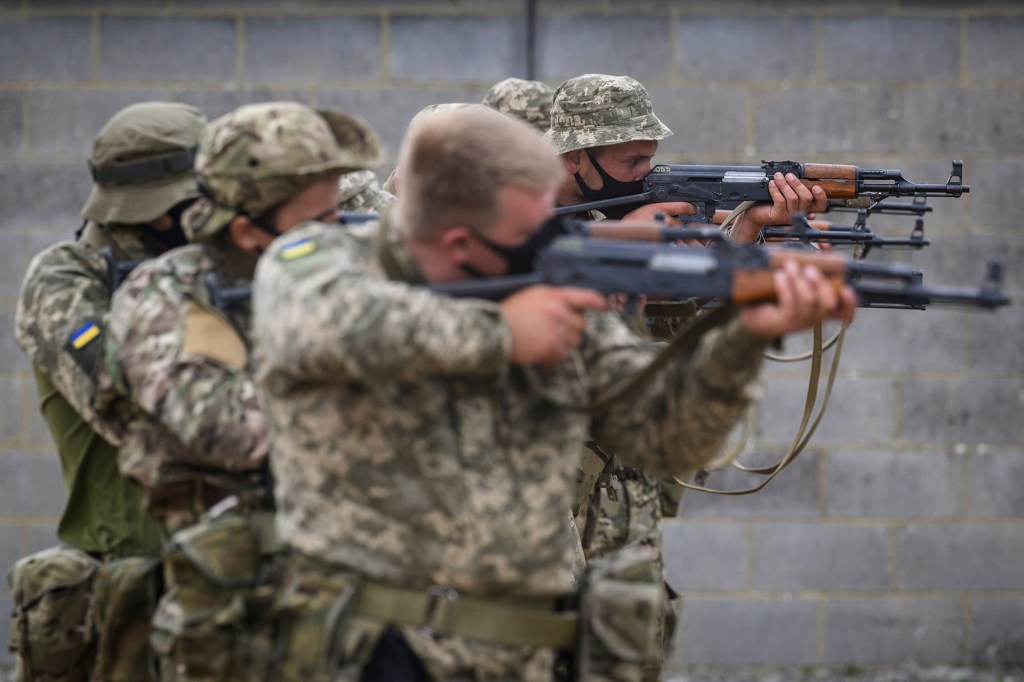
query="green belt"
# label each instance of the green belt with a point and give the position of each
(441, 611)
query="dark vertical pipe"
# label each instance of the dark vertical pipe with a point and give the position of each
(531, 39)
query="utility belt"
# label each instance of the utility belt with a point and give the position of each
(611, 624)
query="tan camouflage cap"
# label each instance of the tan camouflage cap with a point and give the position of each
(141, 162)
(261, 155)
(594, 110)
(529, 101)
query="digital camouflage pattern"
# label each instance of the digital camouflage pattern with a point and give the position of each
(594, 110)
(527, 100)
(361, 193)
(180, 368)
(260, 155)
(408, 450)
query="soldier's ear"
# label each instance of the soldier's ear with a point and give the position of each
(455, 243)
(247, 236)
(573, 160)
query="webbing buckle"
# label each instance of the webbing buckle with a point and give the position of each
(439, 618)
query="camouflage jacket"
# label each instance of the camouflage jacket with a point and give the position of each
(361, 193)
(179, 367)
(60, 322)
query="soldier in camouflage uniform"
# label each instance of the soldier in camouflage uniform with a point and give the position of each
(605, 129)
(527, 100)
(141, 165)
(391, 184)
(178, 351)
(419, 439)
(361, 193)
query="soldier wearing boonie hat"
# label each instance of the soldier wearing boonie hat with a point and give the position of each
(527, 100)
(141, 167)
(181, 368)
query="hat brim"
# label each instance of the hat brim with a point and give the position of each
(204, 218)
(136, 204)
(648, 127)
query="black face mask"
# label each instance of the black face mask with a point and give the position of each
(611, 189)
(519, 259)
(175, 236)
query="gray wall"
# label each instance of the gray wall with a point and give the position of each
(897, 537)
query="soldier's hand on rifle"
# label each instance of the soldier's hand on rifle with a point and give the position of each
(804, 297)
(789, 196)
(547, 322)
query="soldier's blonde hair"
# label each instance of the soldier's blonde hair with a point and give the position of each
(455, 162)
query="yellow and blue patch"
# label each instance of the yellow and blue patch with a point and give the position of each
(298, 249)
(84, 335)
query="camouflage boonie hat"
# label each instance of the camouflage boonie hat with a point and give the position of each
(141, 162)
(528, 101)
(594, 110)
(261, 155)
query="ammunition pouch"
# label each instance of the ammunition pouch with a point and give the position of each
(125, 595)
(213, 622)
(621, 614)
(52, 632)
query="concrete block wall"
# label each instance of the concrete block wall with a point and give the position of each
(897, 536)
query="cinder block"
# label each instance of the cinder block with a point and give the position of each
(39, 537)
(790, 556)
(11, 357)
(894, 631)
(960, 556)
(994, 48)
(993, 201)
(312, 50)
(746, 632)
(703, 119)
(995, 340)
(746, 49)
(568, 46)
(897, 341)
(705, 556)
(250, 4)
(793, 493)
(43, 195)
(812, 121)
(13, 264)
(860, 411)
(887, 483)
(11, 120)
(145, 49)
(6, 609)
(472, 48)
(215, 102)
(32, 484)
(10, 552)
(963, 260)
(976, 410)
(78, 4)
(995, 484)
(67, 121)
(997, 630)
(44, 48)
(933, 120)
(891, 48)
(10, 394)
(389, 110)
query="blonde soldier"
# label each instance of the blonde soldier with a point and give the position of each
(419, 460)
(141, 165)
(527, 100)
(178, 351)
(391, 185)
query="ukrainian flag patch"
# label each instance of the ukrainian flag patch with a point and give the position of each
(84, 335)
(298, 249)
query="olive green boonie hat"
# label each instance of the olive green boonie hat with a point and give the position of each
(260, 155)
(594, 110)
(528, 101)
(141, 162)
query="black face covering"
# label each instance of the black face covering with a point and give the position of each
(175, 236)
(611, 189)
(519, 259)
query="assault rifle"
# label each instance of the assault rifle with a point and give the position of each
(724, 271)
(711, 187)
(805, 231)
